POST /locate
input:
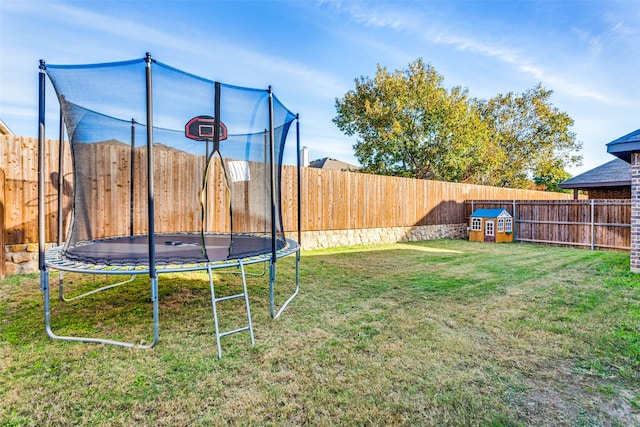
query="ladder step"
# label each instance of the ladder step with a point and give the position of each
(230, 297)
(224, 334)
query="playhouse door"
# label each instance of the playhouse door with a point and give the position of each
(489, 231)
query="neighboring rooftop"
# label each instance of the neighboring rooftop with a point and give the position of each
(333, 164)
(616, 173)
(623, 146)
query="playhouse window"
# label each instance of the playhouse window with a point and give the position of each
(500, 225)
(508, 225)
(476, 223)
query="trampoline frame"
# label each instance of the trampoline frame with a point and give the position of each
(53, 259)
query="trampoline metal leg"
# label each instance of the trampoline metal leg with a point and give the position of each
(272, 282)
(215, 311)
(61, 286)
(156, 311)
(45, 288)
(272, 279)
(95, 291)
(246, 301)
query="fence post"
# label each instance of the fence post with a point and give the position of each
(3, 231)
(593, 227)
(515, 235)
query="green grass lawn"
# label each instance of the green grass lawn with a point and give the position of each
(431, 333)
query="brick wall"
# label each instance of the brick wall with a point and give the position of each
(635, 212)
(613, 193)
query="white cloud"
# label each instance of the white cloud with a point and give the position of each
(553, 71)
(363, 13)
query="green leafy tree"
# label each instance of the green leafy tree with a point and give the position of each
(550, 183)
(408, 124)
(531, 138)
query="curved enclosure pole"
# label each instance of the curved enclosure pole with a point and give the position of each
(41, 171)
(209, 158)
(275, 314)
(150, 171)
(132, 175)
(297, 288)
(153, 277)
(216, 149)
(272, 169)
(204, 200)
(61, 197)
(61, 180)
(272, 181)
(44, 274)
(299, 183)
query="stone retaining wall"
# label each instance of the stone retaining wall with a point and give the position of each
(21, 259)
(370, 236)
(24, 258)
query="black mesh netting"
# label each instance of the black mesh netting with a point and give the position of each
(212, 188)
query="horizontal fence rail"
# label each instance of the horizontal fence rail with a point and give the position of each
(597, 224)
(331, 200)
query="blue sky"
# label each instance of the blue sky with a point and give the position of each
(310, 52)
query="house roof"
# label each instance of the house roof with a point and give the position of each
(490, 213)
(332, 164)
(625, 145)
(616, 173)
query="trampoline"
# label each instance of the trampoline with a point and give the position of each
(171, 172)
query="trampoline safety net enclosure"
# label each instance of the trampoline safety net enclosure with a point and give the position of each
(171, 171)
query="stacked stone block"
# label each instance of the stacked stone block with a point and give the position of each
(371, 236)
(21, 258)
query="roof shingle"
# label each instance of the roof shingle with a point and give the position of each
(615, 173)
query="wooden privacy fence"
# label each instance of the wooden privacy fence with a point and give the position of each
(335, 200)
(331, 200)
(598, 224)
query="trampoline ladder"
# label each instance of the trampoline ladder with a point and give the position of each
(215, 300)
